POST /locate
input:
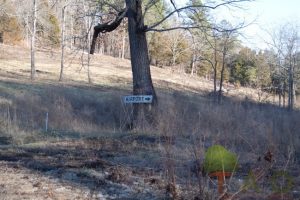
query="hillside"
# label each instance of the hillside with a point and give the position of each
(87, 152)
(109, 71)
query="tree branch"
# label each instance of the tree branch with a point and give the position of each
(229, 2)
(107, 27)
(148, 6)
(192, 27)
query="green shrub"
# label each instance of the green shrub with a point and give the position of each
(217, 158)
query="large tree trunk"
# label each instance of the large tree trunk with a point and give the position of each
(142, 82)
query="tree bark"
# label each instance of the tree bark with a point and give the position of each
(291, 85)
(71, 33)
(215, 79)
(283, 94)
(279, 97)
(142, 81)
(215, 67)
(89, 23)
(193, 65)
(123, 43)
(62, 58)
(222, 75)
(33, 35)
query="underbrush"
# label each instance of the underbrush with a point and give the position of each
(33, 108)
(192, 123)
(187, 124)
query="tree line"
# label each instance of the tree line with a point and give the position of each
(182, 37)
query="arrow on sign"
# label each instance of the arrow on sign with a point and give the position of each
(138, 99)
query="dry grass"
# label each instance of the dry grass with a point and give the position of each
(92, 117)
(105, 70)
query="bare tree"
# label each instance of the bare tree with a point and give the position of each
(123, 42)
(227, 42)
(62, 40)
(200, 49)
(285, 41)
(33, 37)
(175, 39)
(68, 10)
(89, 21)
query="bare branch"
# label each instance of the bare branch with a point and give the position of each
(195, 27)
(149, 5)
(175, 8)
(229, 2)
(106, 27)
(116, 8)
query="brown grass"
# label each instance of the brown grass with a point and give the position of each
(106, 70)
(188, 120)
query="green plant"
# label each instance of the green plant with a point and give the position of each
(217, 158)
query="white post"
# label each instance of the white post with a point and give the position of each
(46, 122)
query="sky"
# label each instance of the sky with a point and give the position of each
(266, 16)
(269, 15)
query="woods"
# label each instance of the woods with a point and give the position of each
(182, 37)
(185, 38)
(75, 121)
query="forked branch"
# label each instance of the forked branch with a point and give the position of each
(106, 27)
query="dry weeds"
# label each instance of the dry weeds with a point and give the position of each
(86, 136)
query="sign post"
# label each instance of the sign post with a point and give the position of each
(128, 110)
(137, 99)
(46, 122)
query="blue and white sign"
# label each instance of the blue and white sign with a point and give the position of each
(138, 99)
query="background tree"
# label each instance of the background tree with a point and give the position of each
(33, 38)
(177, 47)
(285, 42)
(226, 45)
(142, 81)
(62, 39)
(243, 68)
(10, 30)
(110, 14)
(262, 81)
(158, 52)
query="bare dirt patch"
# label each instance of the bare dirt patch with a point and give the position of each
(18, 182)
(85, 169)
